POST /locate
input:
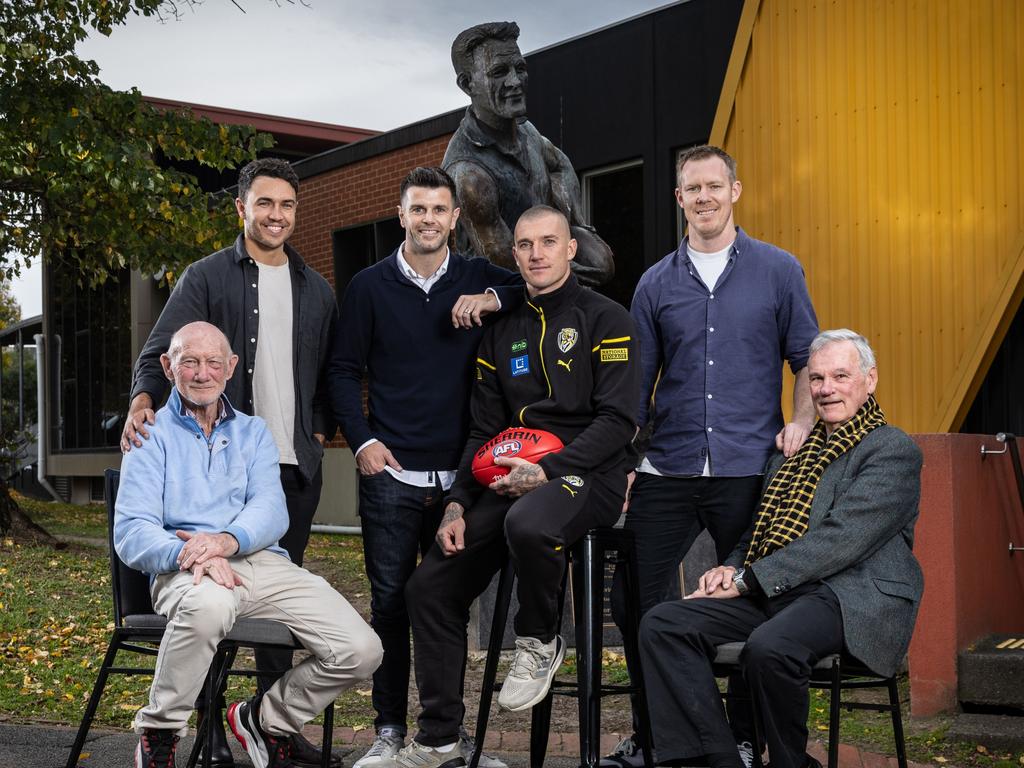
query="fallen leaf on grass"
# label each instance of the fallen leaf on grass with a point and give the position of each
(939, 759)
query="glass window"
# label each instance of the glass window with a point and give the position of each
(89, 349)
(613, 198)
(356, 248)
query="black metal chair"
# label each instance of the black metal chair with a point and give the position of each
(587, 559)
(138, 629)
(835, 673)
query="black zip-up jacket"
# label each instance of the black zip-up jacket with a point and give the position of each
(565, 362)
(223, 289)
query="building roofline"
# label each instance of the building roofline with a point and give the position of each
(276, 124)
(414, 133)
(21, 325)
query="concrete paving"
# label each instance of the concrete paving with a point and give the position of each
(47, 746)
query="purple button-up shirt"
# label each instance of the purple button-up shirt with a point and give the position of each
(712, 360)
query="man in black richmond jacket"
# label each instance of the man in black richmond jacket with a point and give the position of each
(565, 362)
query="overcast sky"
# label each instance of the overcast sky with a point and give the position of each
(375, 64)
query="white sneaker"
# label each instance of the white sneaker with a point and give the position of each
(466, 746)
(417, 755)
(746, 750)
(533, 669)
(627, 754)
(383, 749)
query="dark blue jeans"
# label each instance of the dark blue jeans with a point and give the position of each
(399, 522)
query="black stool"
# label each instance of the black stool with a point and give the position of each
(587, 558)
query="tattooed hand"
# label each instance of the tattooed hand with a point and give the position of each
(451, 533)
(522, 478)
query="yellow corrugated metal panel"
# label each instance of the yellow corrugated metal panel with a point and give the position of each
(879, 141)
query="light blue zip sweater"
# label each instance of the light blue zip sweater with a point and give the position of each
(180, 480)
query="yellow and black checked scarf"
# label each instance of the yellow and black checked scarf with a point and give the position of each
(785, 507)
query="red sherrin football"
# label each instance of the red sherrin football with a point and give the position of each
(530, 444)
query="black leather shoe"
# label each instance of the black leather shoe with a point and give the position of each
(221, 756)
(307, 755)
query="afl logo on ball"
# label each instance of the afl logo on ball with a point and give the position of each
(508, 448)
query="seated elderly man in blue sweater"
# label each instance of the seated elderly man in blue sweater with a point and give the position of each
(201, 511)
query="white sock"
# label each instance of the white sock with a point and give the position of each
(446, 748)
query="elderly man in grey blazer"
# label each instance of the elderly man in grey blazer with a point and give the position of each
(825, 567)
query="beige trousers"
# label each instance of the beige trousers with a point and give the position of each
(344, 650)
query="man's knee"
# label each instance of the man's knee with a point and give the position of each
(524, 530)
(362, 653)
(764, 652)
(208, 609)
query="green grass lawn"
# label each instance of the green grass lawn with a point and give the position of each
(56, 617)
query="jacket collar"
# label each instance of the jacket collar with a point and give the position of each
(177, 407)
(553, 303)
(294, 260)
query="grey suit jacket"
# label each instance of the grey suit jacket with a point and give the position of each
(859, 542)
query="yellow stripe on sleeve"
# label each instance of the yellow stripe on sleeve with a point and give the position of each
(485, 364)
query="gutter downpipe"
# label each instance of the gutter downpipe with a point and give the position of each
(44, 426)
(345, 530)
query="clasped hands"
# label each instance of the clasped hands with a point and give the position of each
(206, 554)
(716, 583)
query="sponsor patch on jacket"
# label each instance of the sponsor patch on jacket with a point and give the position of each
(615, 355)
(575, 480)
(567, 339)
(519, 346)
(521, 365)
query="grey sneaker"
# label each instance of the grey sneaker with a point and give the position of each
(466, 746)
(383, 749)
(418, 755)
(533, 669)
(746, 750)
(627, 754)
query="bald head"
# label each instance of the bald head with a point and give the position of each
(199, 361)
(199, 328)
(544, 211)
(543, 248)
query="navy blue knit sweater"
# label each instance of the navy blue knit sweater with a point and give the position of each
(418, 367)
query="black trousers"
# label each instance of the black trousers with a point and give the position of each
(536, 530)
(785, 637)
(666, 515)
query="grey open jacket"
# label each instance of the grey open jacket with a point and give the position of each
(222, 289)
(859, 542)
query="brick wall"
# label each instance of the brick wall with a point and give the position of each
(355, 194)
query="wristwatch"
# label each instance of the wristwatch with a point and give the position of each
(737, 579)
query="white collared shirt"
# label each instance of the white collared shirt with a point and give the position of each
(426, 283)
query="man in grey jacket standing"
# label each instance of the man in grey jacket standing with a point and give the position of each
(279, 317)
(825, 567)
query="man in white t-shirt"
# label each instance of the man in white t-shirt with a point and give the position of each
(279, 316)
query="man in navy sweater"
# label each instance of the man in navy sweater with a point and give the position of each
(412, 323)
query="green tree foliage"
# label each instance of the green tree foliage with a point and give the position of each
(10, 310)
(81, 177)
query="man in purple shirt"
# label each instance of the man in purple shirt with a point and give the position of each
(716, 318)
